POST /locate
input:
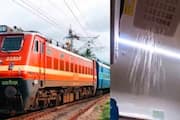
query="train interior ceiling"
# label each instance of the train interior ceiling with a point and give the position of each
(145, 75)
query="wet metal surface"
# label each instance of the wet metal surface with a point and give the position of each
(145, 77)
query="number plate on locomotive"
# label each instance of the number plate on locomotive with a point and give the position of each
(10, 82)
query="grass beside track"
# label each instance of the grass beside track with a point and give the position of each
(106, 111)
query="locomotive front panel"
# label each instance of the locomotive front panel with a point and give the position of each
(12, 84)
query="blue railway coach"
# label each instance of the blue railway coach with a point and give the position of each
(103, 76)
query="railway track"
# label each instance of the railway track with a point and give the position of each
(70, 111)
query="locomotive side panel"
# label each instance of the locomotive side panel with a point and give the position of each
(35, 70)
(56, 72)
(66, 69)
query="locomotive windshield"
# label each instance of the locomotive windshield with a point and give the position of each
(11, 43)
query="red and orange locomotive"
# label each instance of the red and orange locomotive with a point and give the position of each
(35, 73)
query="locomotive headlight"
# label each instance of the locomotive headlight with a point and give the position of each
(10, 91)
(11, 65)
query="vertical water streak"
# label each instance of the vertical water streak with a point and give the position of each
(146, 66)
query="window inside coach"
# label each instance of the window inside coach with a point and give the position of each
(12, 43)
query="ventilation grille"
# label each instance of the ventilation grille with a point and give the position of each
(159, 16)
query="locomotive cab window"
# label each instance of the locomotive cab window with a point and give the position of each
(36, 46)
(41, 47)
(12, 43)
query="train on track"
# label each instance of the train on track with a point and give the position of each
(36, 74)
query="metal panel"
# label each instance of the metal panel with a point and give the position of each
(145, 77)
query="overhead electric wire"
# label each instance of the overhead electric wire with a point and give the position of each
(39, 13)
(81, 15)
(77, 7)
(55, 6)
(49, 16)
(74, 2)
(67, 15)
(51, 19)
(34, 9)
(81, 26)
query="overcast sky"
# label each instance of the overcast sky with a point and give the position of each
(53, 18)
